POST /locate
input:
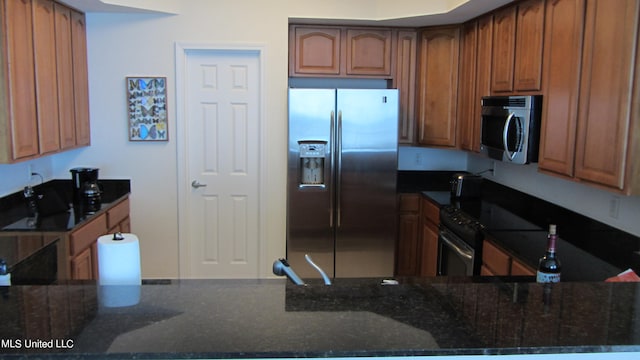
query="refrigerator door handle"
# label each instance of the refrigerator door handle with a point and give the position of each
(333, 166)
(339, 169)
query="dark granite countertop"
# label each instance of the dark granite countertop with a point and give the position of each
(13, 210)
(273, 318)
(527, 241)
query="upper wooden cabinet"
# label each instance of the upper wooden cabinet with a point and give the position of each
(467, 86)
(405, 81)
(340, 51)
(590, 125)
(438, 86)
(64, 64)
(517, 47)
(608, 133)
(368, 52)
(44, 44)
(564, 23)
(80, 78)
(18, 116)
(314, 50)
(475, 79)
(37, 82)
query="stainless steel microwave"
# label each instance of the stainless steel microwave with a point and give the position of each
(510, 128)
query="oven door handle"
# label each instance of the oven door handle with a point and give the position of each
(452, 243)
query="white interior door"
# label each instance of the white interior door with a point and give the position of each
(222, 127)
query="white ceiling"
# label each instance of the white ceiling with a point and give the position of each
(410, 13)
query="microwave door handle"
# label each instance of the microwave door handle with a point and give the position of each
(458, 250)
(505, 136)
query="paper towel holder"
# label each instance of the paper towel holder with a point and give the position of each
(118, 236)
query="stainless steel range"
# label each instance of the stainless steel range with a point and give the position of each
(459, 243)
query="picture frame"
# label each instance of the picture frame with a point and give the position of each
(147, 108)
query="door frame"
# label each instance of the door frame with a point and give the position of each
(182, 152)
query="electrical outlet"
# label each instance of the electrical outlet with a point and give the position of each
(614, 207)
(29, 171)
(418, 159)
(493, 168)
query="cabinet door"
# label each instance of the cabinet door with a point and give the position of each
(408, 233)
(21, 112)
(528, 51)
(316, 50)
(466, 95)
(606, 91)
(438, 86)
(497, 261)
(504, 38)
(80, 78)
(405, 82)
(368, 52)
(564, 22)
(44, 43)
(483, 74)
(429, 250)
(82, 265)
(520, 269)
(64, 64)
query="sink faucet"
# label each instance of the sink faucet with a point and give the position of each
(281, 267)
(326, 279)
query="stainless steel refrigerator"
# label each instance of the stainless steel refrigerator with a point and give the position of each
(342, 167)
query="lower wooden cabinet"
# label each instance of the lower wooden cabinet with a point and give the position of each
(498, 262)
(430, 216)
(81, 258)
(408, 234)
(82, 265)
(417, 251)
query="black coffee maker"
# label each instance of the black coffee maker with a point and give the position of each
(86, 190)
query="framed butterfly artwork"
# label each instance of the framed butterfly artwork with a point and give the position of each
(147, 108)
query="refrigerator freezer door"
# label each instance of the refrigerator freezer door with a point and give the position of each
(310, 203)
(367, 144)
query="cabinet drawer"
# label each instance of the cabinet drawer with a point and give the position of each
(495, 259)
(118, 213)
(409, 202)
(87, 235)
(430, 211)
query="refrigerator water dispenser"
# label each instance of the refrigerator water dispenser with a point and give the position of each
(312, 154)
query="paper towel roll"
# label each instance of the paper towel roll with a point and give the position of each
(119, 269)
(119, 259)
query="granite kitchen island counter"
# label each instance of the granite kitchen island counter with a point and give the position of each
(273, 318)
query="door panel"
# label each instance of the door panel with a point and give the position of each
(223, 162)
(310, 209)
(366, 198)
